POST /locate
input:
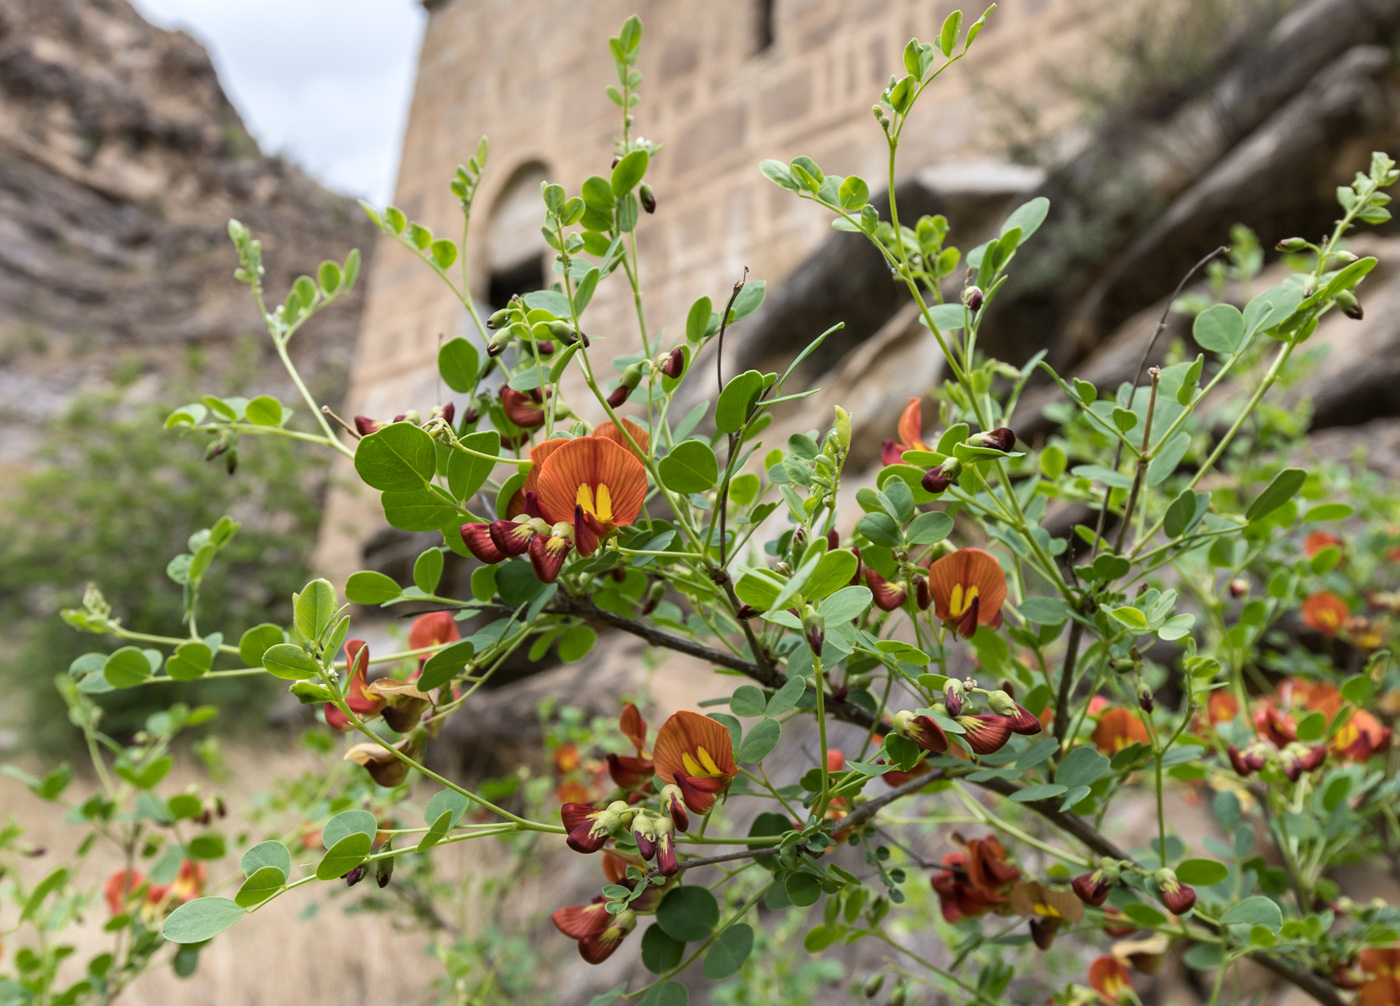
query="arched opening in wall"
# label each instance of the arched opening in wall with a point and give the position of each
(515, 251)
(763, 27)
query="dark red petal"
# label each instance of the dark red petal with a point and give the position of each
(578, 921)
(511, 538)
(477, 538)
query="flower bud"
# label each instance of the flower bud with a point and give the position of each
(1178, 897)
(937, 480)
(654, 594)
(355, 876)
(873, 984)
(498, 319)
(498, 342)
(814, 628)
(1002, 439)
(973, 298)
(384, 870)
(843, 428)
(666, 863)
(1348, 304)
(545, 347)
(675, 363)
(647, 197)
(674, 803)
(1023, 721)
(952, 697)
(563, 331)
(1092, 888)
(1239, 587)
(645, 836)
(1146, 701)
(747, 611)
(631, 377)
(1291, 245)
(364, 426)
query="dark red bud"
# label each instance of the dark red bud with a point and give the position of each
(935, 480)
(619, 395)
(675, 363)
(647, 197)
(355, 876)
(974, 298)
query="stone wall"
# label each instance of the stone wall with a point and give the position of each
(531, 75)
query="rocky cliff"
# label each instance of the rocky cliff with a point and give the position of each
(121, 160)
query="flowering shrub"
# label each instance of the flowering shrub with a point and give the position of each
(1203, 626)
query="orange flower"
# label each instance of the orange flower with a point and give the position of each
(1360, 737)
(595, 477)
(433, 629)
(1116, 729)
(119, 888)
(911, 431)
(360, 703)
(610, 431)
(1111, 979)
(1318, 540)
(968, 589)
(632, 771)
(973, 881)
(697, 754)
(1325, 612)
(1383, 965)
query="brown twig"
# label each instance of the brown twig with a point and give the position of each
(342, 423)
(724, 324)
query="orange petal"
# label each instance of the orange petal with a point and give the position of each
(609, 431)
(538, 453)
(687, 732)
(431, 629)
(592, 461)
(911, 424)
(969, 567)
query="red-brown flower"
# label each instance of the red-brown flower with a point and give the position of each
(974, 880)
(697, 754)
(1117, 728)
(1360, 737)
(360, 703)
(985, 732)
(436, 628)
(968, 589)
(911, 431)
(1325, 612)
(888, 596)
(523, 408)
(120, 887)
(632, 771)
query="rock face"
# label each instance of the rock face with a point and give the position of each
(121, 160)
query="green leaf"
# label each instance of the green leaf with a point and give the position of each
(629, 172)
(748, 700)
(666, 994)
(853, 194)
(256, 641)
(759, 742)
(444, 253)
(42, 890)
(846, 604)
(736, 401)
(575, 644)
(344, 856)
(263, 884)
(1129, 616)
(126, 668)
(1278, 492)
(315, 609)
(419, 509)
(729, 951)
(200, 920)
(1169, 455)
(660, 953)
(880, 528)
(1031, 794)
(778, 173)
(948, 37)
(750, 299)
(1144, 915)
(267, 854)
(399, 457)
(1083, 766)
(1045, 610)
(1177, 626)
(264, 411)
(148, 777)
(803, 889)
(1028, 216)
(691, 467)
(289, 662)
(834, 571)
(351, 822)
(427, 570)
(329, 277)
(743, 489)
(1185, 513)
(1255, 911)
(786, 697)
(467, 473)
(369, 586)
(1329, 511)
(688, 914)
(449, 802)
(444, 665)
(697, 322)
(457, 363)
(609, 997)
(190, 661)
(1202, 872)
(1219, 329)
(930, 528)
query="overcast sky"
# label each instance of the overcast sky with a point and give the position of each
(325, 82)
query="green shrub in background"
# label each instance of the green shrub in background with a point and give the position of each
(113, 499)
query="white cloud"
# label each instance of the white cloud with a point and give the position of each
(325, 82)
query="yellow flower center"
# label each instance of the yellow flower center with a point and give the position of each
(599, 505)
(1047, 910)
(959, 601)
(704, 767)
